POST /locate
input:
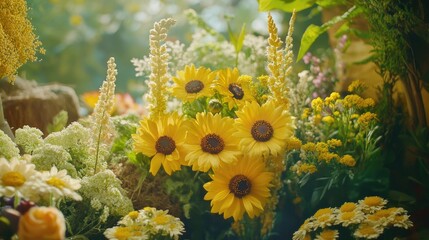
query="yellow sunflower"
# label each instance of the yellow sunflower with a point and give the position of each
(239, 188)
(193, 83)
(210, 142)
(263, 129)
(234, 89)
(162, 139)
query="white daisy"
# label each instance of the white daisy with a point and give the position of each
(15, 178)
(59, 184)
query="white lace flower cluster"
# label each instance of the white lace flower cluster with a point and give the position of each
(148, 223)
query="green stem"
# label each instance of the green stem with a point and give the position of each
(98, 145)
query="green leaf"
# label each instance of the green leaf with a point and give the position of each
(237, 41)
(313, 31)
(284, 5)
(240, 39)
(310, 35)
(59, 122)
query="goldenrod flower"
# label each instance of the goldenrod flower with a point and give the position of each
(263, 129)
(334, 142)
(239, 188)
(234, 89)
(356, 86)
(193, 83)
(366, 118)
(210, 142)
(18, 43)
(328, 119)
(293, 143)
(348, 160)
(162, 139)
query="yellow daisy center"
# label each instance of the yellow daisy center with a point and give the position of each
(373, 201)
(122, 233)
(347, 216)
(194, 86)
(161, 220)
(236, 91)
(367, 230)
(240, 185)
(212, 143)
(14, 179)
(322, 212)
(56, 182)
(262, 131)
(165, 145)
(133, 215)
(328, 234)
(348, 207)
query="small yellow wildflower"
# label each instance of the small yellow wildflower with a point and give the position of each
(367, 102)
(336, 113)
(352, 100)
(317, 119)
(293, 143)
(306, 168)
(365, 118)
(348, 160)
(309, 147)
(356, 86)
(328, 119)
(327, 156)
(334, 143)
(317, 105)
(321, 147)
(305, 113)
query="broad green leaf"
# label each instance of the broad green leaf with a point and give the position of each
(284, 5)
(310, 35)
(313, 31)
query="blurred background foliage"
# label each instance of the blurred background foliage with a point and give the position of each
(80, 35)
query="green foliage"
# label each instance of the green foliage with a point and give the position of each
(285, 5)
(313, 31)
(59, 122)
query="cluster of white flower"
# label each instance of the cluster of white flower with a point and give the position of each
(106, 188)
(19, 178)
(148, 223)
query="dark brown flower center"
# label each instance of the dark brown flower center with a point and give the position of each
(236, 91)
(165, 145)
(212, 143)
(240, 185)
(194, 86)
(262, 131)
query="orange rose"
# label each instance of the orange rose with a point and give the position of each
(44, 223)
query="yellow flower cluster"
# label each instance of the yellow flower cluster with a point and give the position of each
(314, 154)
(366, 219)
(18, 43)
